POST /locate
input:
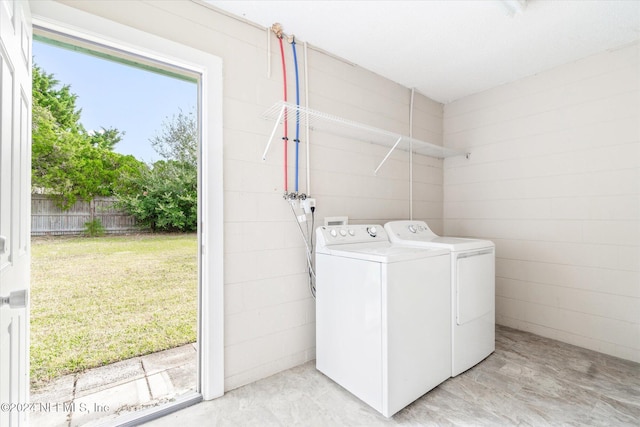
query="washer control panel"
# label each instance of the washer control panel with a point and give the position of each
(352, 233)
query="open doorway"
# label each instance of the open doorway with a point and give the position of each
(60, 22)
(114, 320)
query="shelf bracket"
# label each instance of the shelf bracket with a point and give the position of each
(273, 132)
(387, 156)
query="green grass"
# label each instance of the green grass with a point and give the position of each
(95, 301)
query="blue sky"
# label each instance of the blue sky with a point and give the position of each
(111, 94)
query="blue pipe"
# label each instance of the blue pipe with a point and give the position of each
(297, 140)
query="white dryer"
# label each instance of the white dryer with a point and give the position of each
(382, 315)
(472, 289)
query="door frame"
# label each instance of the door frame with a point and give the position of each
(56, 21)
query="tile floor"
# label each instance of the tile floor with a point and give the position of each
(529, 380)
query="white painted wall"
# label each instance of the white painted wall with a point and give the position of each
(269, 312)
(554, 181)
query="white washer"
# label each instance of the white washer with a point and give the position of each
(382, 315)
(472, 289)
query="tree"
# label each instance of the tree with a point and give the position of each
(68, 162)
(105, 139)
(167, 194)
(61, 103)
(178, 139)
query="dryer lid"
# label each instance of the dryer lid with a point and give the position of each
(382, 252)
(418, 233)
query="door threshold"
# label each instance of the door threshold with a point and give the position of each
(149, 414)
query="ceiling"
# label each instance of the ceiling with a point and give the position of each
(447, 50)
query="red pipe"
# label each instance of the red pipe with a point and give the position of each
(286, 123)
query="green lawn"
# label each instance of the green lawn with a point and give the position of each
(95, 301)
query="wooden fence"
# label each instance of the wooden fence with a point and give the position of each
(49, 219)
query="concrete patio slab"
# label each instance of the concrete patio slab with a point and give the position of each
(160, 385)
(110, 401)
(55, 417)
(184, 377)
(58, 390)
(106, 376)
(163, 360)
(54, 394)
(102, 394)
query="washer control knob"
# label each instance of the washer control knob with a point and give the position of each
(334, 233)
(352, 232)
(343, 232)
(373, 232)
(412, 228)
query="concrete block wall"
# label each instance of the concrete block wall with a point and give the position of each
(342, 169)
(269, 312)
(554, 181)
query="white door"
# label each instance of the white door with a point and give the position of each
(15, 182)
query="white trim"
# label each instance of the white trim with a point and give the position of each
(81, 26)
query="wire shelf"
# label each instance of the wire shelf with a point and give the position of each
(323, 122)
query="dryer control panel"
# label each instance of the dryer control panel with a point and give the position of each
(352, 233)
(409, 230)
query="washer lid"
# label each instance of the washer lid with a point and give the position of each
(383, 252)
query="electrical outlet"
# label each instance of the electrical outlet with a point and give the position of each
(308, 204)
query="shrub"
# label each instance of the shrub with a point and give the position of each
(94, 228)
(166, 197)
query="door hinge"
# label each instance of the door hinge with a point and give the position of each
(3, 241)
